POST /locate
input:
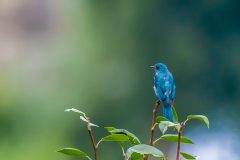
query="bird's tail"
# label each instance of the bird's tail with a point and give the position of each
(167, 113)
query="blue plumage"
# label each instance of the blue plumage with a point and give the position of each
(164, 88)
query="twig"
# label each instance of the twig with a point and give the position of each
(90, 132)
(154, 114)
(152, 130)
(179, 139)
(156, 140)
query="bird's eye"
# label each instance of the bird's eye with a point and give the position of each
(157, 67)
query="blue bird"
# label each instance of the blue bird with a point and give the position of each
(164, 87)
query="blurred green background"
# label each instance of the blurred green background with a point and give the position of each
(95, 56)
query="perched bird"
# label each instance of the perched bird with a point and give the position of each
(164, 88)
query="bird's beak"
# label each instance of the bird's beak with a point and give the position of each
(152, 67)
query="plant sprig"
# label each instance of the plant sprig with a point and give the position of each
(137, 150)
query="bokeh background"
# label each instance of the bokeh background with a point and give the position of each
(95, 55)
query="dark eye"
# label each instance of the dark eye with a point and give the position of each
(157, 67)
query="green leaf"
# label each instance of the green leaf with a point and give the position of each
(202, 118)
(73, 152)
(74, 110)
(94, 125)
(109, 129)
(133, 139)
(174, 126)
(116, 138)
(175, 116)
(163, 126)
(136, 156)
(81, 117)
(144, 149)
(84, 119)
(188, 156)
(174, 138)
(161, 118)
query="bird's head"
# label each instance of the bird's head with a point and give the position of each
(160, 67)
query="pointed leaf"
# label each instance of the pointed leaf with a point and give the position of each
(174, 126)
(163, 126)
(94, 125)
(161, 118)
(188, 156)
(144, 150)
(109, 129)
(73, 152)
(202, 118)
(136, 156)
(175, 116)
(74, 110)
(116, 138)
(84, 119)
(174, 138)
(133, 139)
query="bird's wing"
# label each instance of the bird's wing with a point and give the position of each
(158, 87)
(167, 87)
(172, 82)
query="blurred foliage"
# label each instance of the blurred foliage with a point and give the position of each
(96, 57)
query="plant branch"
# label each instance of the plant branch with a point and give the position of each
(154, 114)
(99, 143)
(90, 132)
(156, 140)
(180, 130)
(88, 158)
(152, 130)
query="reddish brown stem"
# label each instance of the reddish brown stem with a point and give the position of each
(90, 132)
(152, 130)
(179, 140)
(154, 114)
(93, 143)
